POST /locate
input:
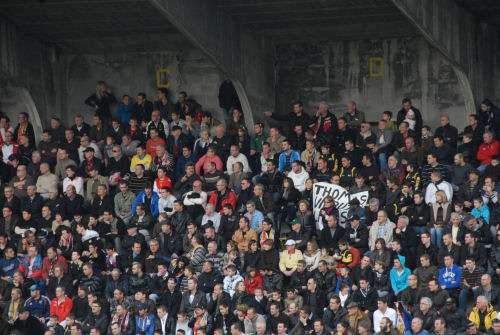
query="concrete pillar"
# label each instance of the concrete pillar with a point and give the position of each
(248, 59)
(469, 45)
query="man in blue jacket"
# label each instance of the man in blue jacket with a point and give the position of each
(38, 305)
(145, 321)
(9, 263)
(149, 198)
(449, 276)
(287, 157)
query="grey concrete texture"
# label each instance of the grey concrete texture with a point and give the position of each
(132, 73)
(339, 72)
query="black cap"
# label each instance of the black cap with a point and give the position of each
(131, 224)
(450, 301)
(354, 201)
(176, 128)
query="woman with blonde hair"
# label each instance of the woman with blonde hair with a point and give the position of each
(312, 255)
(440, 216)
(101, 100)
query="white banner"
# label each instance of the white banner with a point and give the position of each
(341, 197)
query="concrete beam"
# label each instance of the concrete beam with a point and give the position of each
(469, 45)
(247, 58)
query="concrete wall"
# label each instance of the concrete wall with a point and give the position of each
(132, 73)
(339, 72)
(30, 80)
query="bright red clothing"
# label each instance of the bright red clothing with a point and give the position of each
(227, 198)
(161, 183)
(61, 309)
(486, 151)
(257, 282)
(151, 146)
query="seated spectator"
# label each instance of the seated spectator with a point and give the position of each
(482, 314)
(209, 157)
(141, 158)
(487, 150)
(236, 177)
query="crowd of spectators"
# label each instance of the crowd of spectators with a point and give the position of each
(159, 219)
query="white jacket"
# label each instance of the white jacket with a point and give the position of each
(240, 158)
(299, 179)
(430, 192)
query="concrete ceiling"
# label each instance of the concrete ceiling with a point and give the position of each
(487, 11)
(287, 21)
(105, 26)
(95, 26)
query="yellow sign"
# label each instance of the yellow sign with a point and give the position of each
(159, 75)
(376, 61)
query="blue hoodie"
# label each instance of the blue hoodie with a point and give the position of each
(450, 277)
(124, 112)
(154, 202)
(400, 281)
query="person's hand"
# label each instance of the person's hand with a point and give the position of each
(398, 231)
(443, 287)
(151, 257)
(354, 287)
(268, 113)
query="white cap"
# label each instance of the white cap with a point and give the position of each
(290, 242)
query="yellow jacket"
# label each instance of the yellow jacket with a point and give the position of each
(488, 319)
(146, 161)
(289, 261)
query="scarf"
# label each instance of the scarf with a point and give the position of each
(201, 321)
(67, 244)
(21, 131)
(124, 322)
(266, 236)
(194, 250)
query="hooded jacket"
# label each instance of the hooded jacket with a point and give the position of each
(488, 318)
(450, 277)
(399, 281)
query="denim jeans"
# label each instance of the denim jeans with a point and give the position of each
(228, 112)
(482, 168)
(419, 229)
(436, 236)
(382, 159)
(462, 298)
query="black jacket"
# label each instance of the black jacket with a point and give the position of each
(362, 233)
(418, 118)
(172, 300)
(419, 215)
(367, 301)
(179, 221)
(208, 280)
(330, 318)
(316, 301)
(98, 321)
(326, 282)
(171, 243)
(328, 240)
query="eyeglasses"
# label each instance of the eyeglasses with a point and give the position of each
(115, 151)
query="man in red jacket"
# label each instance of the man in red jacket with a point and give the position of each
(488, 149)
(51, 261)
(222, 196)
